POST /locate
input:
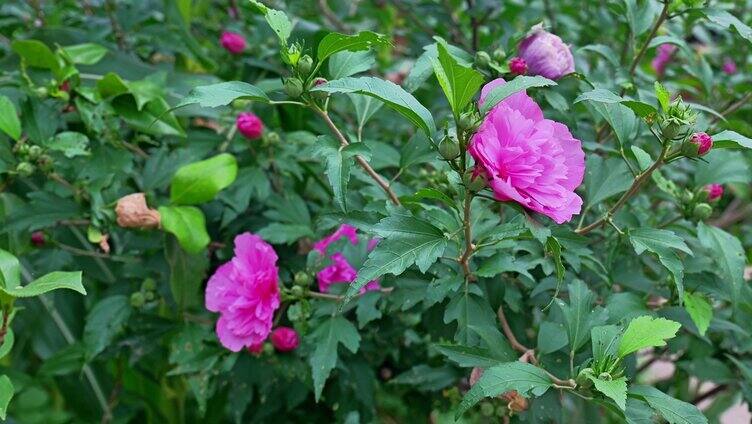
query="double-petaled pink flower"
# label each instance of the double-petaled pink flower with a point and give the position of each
(664, 55)
(245, 292)
(339, 270)
(232, 42)
(545, 54)
(528, 159)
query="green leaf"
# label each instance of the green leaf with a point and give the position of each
(111, 85)
(731, 140)
(155, 118)
(722, 167)
(526, 379)
(664, 243)
(672, 410)
(646, 331)
(338, 167)
(52, 281)
(70, 143)
(663, 96)
(605, 178)
(614, 389)
(406, 241)
(36, 54)
(335, 42)
(642, 109)
(579, 315)
(728, 254)
(470, 311)
(727, 20)
(599, 95)
(605, 341)
(104, 322)
(188, 224)
(466, 356)
(8, 342)
(9, 122)
(345, 64)
(279, 233)
(333, 332)
(6, 394)
(460, 83)
(277, 20)
(222, 94)
(187, 272)
(388, 92)
(553, 248)
(85, 54)
(700, 310)
(199, 182)
(620, 118)
(518, 84)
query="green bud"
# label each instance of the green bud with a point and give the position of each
(583, 379)
(302, 279)
(293, 87)
(499, 55)
(487, 409)
(272, 137)
(687, 197)
(689, 149)
(268, 348)
(474, 182)
(149, 285)
(319, 95)
(149, 296)
(449, 148)
(25, 169)
(305, 64)
(467, 121)
(42, 91)
(34, 152)
(23, 150)
(482, 59)
(45, 163)
(296, 291)
(137, 300)
(702, 211)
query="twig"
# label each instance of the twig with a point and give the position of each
(732, 107)
(469, 246)
(710, 393)
(516, 345)
(117, 30)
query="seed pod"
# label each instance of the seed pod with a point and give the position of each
(133, 212)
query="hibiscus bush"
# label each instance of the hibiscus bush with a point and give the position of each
(473, 211)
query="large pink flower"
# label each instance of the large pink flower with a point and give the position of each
(343, 231)
(529, 159)
(545, 54)
(245, 292)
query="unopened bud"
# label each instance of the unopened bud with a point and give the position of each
(449, 148)
(699, 143)
(137, 300)
(714, 192)
(499, 55)
(474, 181)
(37, 238)
(25, 169)
(467, 121)
(34, 152)
(482, 59)
(293, 87)
(149, 285)
(302, 279)
(305, 63)
(702, 211)
(133, 212)
(296, 291)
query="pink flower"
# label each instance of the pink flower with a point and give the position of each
(703, 141)
(546, 55)
(245, 292)
(285, 339)
(232, 42)
(249, 125)
(340, 271)
(715, 191)
(372, 243)
(665, 52)
(729, 66)
(529, 159)
(256, 349)
(343, 231)
(517, 66)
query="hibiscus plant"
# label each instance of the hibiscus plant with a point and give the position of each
(460, 211)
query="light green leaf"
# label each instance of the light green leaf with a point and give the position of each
(199, 182)
(71, 143)
(664, 243)
(646, 331)
(727, 20)
(721, 167)
(728, 254)
(663, 96)
(277, 20)
(388, 92)
(104, 322)
(605, 341)
(553, 249)
(614, 389)
(672, 410)
(620, 118)
(460, 83)
(335, 42)
(345, 64)
(579, 315)
(36, 54)
(188, 224)
(85, 54)
(731, 140)
(406, 241)
(8, 342)
(505, 90)
(599, 95)
(605, 178)
(154, 118)
(52, 281)
(6, 394)
(700, 310)
(222, 94)
(526, 379)
(327, 337)
(9, 122)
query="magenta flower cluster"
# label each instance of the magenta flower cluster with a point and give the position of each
(528, 159)
(339, 270)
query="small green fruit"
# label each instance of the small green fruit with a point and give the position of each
(702, 211)
(293, 87)
(149, 285)
(296, 291)
(302, 279)
(149, 296)
(499, 55)
(305, 64)
(34, 152)
(474, 182)
(25, 169)
(137, 300)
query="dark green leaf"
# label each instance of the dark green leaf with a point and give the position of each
(333, 332)
(460, 83)
(664, 243)
(222, 94)
(728, 254)
(672, 410)
(104, 322)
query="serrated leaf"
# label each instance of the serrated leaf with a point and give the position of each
(469, 310)
(579, 315)
(599, 95)
(505, 90)
(605, 340)
(727, 20)
(700, 310)
(70, 143)
(467, 356)
(327, 337)
(9, 122)
(104, 322)
(335, 42)
(614, 389)
(672, 410)
(460, 83)
(663, 243)
(199, 182)
(388, 92)
(338, 167)
(605, 178)
(728, 254)
(526, 379)
(188, 225)
(277, 20)
(406, 240)
(646, 331)
(620, 118)
(345, 64)
(222, 94)
(663, 96)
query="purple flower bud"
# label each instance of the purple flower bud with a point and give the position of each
(665, 52)
(37, 238)
(285, 339)
(546, 55)
(703, 141)
(517, 66)
(729, 66)
(233, 42)
(250, 125)
(715, 191)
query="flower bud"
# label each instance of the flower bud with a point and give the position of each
(296, 291)
(319, 95)
(22, 150)
(499, 55)
(293, 87)
(149, 296)
(249, 125)
(34, 152)
(702, 211)
(38, 238)
(285, 339)
(474, 181)
(45, 163)
(133, 212)
(714, 192)
(232, 42)
(449, 148)
(272, 137)
(699, 143)
(256, 349)
(305, 64)
(149, 285)
(467, 121)
(268, 348)
(25, 169)
(137, 300)
(517, 66)
(687, 197)
(487, 409)
(546, 54)
(302, 279)
(482, 59)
